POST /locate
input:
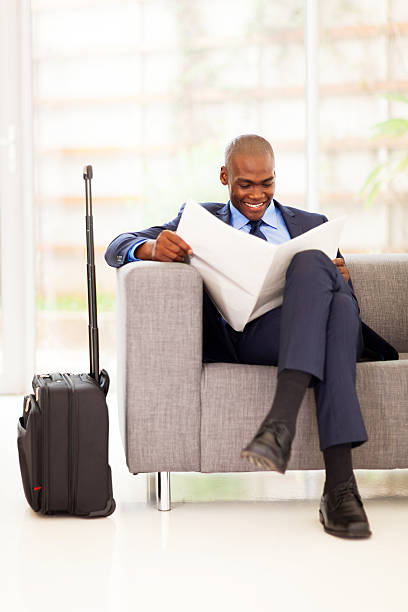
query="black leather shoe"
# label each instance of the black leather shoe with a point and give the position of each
(270, 449)
(342, 513)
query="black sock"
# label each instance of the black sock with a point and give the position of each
(339, 467)
(291, 388)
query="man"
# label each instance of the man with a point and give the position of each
(314, 338)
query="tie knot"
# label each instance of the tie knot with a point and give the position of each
(255, 226)
(255, 231)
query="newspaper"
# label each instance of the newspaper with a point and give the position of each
(244, 275)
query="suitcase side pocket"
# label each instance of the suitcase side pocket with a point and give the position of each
(29, 443)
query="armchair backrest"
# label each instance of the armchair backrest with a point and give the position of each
(381, 286)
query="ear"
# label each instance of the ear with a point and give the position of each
(224, 175)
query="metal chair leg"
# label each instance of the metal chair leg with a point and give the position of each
(163, 494)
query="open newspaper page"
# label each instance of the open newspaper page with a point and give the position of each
(325, 237)
(232, 264)
(244, 275)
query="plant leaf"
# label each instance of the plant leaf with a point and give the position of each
(395, 169)
(371, 177)
(392, 127)
(403, 163)
(373, 194)
(396, 97)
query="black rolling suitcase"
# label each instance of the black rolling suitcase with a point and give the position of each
(63, 433)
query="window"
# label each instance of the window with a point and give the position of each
(16, 203)
(363, 55)
(150, 92)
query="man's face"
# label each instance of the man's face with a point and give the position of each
(251, 183)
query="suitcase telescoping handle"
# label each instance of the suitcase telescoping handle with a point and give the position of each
(90, 252)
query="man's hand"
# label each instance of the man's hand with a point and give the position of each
(342, 268)
(168, 246)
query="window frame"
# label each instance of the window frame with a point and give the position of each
(17, 248)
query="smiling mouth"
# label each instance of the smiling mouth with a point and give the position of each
(254, 205)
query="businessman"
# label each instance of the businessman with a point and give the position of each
(314, 338)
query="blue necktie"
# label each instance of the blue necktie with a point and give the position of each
(255, 231)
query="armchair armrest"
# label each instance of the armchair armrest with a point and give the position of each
(159, 319)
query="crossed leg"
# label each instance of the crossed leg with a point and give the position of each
(314, 338)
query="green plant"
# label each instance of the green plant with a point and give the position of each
(383, 174)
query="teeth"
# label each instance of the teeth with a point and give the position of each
(253, 205)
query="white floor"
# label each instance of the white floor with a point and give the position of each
(201, 556)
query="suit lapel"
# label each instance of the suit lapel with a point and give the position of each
(224, 214)
(292, 222)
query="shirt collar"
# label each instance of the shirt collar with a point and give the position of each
(238, 220)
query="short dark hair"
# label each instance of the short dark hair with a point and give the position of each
(249, 144)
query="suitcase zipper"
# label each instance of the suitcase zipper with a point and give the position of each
(27, 404)
(37, 384)
(71, 446)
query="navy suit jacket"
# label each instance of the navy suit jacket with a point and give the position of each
(297, 221)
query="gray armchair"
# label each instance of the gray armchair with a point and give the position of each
(180, 415)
